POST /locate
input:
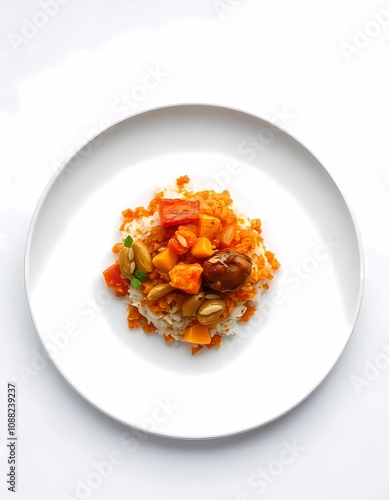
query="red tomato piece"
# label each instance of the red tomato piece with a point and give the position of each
(114, 280)
(186, 235)
(174, 212)
(175, 246)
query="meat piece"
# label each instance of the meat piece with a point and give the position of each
(226, 270)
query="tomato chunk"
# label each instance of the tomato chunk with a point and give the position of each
(174, 212)
(183, 239)
(114, 280)
(186, 236)
(175, 246)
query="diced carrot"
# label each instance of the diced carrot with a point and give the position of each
(185, 236)
(175, 246)
(261, 261)
(216, 341)
(196, 349)
(197, 334)
(114, 280)
(186, 277)
(250, 311)
(133, 317)
(193, 228)
(256, 225)
(149, 328)
(128, 212)
(181, 181)
(264, 274)
(208, 226)
(116, 248)
(169, 339)
(165, 261)
(272, 260)
(202, 248)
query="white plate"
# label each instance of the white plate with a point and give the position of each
(287, 349)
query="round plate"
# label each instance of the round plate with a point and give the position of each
(304, 321)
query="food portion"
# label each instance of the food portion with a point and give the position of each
(190, 266)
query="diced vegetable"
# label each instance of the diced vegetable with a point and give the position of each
(193, 228)
(272, 260)
(250, 311)
(186, 236)
(149, 328)
(197, 334)
(181, 181)
(116, 248)
(175, 246)
(115, 281)
(196, 349)
(215, 341)
(186, 277)
(202, 248)
(227, 236)
(174, 212)
(208, 226)
(183, 239)
(133, 317)
(165, 261)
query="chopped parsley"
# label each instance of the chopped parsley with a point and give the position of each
(140, 275)
(128, 241)
(135, 283)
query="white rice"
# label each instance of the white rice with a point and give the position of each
(171, 322)
(140, 229)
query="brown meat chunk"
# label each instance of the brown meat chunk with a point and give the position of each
(226, 270)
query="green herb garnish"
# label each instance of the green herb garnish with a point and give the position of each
(140, 275)
(135, 283)
(128, 241)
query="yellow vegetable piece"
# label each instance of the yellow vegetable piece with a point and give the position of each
(208, 226)
(197, 334)
(186, 277)
(165, 260)
(193, 228)
(202, 248)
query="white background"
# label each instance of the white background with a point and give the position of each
(310, 63)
